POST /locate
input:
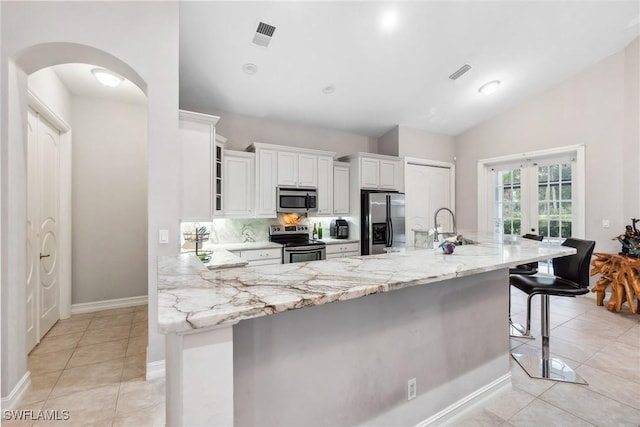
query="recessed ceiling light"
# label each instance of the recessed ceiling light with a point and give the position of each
(250, 69)
(328, 90)
(106, 77)
(489, 88)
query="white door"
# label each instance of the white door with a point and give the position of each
(427, 188)
(42, 237)
(287, 169)
(33, 245)
(537, 197)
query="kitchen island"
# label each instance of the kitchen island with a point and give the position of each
(297, 344)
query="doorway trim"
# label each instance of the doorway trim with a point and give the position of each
(64, 274)
(484, 166)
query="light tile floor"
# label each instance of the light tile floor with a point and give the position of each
(602, 346)
(93, 365)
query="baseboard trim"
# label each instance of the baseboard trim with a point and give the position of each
(89, 307)
(467, 403)
(13, 399)
(155, 370)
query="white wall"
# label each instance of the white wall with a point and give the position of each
(48, 87)
(389, 142)
(425, 145)
(109, 200)
(587, 109)
(139, 40)
(241, 131)
(631, 130)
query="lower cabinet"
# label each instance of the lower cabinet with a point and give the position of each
(261, 256)
(342, 250)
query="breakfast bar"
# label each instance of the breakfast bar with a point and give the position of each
(298, 344)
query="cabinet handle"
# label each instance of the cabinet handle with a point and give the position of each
(45, 256)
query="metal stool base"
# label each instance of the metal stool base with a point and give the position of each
(516, 330)
(550, 369)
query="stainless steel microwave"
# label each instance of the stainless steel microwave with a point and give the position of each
(297, 200)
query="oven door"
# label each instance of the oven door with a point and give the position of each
(302, 254)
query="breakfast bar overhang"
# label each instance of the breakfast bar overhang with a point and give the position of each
(298, 344)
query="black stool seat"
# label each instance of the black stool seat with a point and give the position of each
(571, 279)
(551, 285)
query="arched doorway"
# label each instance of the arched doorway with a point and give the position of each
(16, 377)
(102, 171)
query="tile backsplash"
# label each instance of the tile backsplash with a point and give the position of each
(243, 230)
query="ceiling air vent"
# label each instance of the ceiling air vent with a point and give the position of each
(460, 71)
(263, 34)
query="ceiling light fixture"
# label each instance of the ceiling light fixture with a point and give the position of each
(389, 20)
(250, 69)
(328, 90)
(489, 88)
(106, 77)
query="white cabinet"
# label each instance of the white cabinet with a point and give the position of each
(201, 167)
(297, 170)
(340, 188)
(238, 183)
(279, 165)
(261, 256)
(377, 171)
(325, 185)
(369, 172)
(342, 250)
(266, 182)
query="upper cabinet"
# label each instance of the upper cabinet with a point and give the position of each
(340, 188)
(266, 182)
(325, 185)
(201, 164)
(284, 166)
(297, 169)
(238, 183)
(377, 171)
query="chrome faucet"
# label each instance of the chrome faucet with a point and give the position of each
(435, 223)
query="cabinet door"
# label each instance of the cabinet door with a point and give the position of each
(369, 170)
(266, 183)
(238, 185)
(388, 174)
(325, 185)
(197, 158)
(287, 169)
(341, 190)
(218, 173)
(307, 170)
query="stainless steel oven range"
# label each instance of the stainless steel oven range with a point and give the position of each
(297, 245)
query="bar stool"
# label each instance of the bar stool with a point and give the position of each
(516, 330)
(571, 279)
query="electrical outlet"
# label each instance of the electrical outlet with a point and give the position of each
(412, 389)
(605, 223)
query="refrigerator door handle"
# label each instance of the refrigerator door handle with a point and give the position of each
(389, 227)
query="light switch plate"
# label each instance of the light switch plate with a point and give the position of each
(163, 236)
(605, 223)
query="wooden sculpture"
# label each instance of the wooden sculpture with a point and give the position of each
(622, 274)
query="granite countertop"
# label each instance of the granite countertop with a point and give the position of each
(222, 258)
(331, 241)
(246, 246)
(191, 297)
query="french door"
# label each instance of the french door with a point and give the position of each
(539, 195)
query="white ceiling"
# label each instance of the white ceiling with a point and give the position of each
(80, 81)
(384, 77)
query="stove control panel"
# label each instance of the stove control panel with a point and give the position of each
(287, 229)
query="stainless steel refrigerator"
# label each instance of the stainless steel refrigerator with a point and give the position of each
(381, 221)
